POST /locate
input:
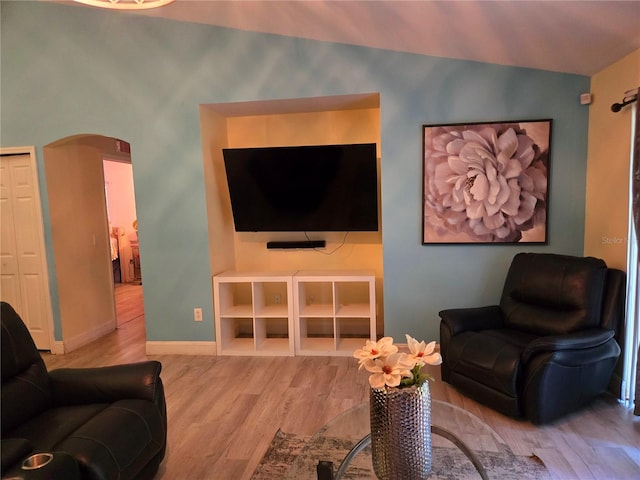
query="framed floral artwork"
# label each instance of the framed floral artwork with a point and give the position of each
(486, 183)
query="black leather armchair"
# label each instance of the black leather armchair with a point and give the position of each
(99, 423)
(548, 348)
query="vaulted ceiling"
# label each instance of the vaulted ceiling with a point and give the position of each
(581, 37)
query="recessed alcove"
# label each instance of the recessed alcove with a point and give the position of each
(288, 122)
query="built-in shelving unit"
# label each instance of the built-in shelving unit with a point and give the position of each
(335, 312)
(254, 313)
(301, 313)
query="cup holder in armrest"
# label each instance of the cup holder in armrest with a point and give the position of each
(36, 461)
(44, 466)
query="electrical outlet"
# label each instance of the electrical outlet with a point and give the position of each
(276, 299)
(197, 314)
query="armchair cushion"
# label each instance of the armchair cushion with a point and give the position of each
(61, 422)
(490, 357)
(118, 442)
(551, 294)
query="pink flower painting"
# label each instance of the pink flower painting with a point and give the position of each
(486, 183)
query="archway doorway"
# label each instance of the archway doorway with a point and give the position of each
(82, 235)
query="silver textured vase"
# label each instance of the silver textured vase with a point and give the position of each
(401, 432)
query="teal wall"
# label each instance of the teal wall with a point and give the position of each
(69, 70)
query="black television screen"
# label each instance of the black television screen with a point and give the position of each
(310, 188)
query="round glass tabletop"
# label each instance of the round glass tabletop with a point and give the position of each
(458, 439)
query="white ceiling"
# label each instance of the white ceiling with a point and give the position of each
(578, 36)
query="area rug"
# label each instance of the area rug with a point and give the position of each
(447, 463)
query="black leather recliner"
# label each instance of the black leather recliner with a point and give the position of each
(548, 348)
(99, 423)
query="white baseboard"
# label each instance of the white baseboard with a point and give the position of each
(71, 344)
(181, 348)
(57, 348)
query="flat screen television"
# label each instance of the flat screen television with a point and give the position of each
(314, 188)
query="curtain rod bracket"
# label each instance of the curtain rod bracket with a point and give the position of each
(630, 96)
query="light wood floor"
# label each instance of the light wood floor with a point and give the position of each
(129, 304)
(223, 411)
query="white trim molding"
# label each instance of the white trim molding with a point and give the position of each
(180, 348)
(57, 348)
(85, 338)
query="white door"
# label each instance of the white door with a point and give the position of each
(23, 274)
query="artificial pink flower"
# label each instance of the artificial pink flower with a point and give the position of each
(423, 353)
(373, 350)
(388, 371)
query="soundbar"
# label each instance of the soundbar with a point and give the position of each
(301, 244)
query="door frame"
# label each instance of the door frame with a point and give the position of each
(55, 347)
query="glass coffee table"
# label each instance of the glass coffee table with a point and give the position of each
(463, 446)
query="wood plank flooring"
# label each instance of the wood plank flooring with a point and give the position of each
(129, 304)
(224, 411)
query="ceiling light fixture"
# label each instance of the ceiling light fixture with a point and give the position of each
(126, 4)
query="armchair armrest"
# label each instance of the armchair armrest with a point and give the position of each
(583, 340)
(72, 386)
(459, 320)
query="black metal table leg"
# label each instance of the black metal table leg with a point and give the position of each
(325, 470)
